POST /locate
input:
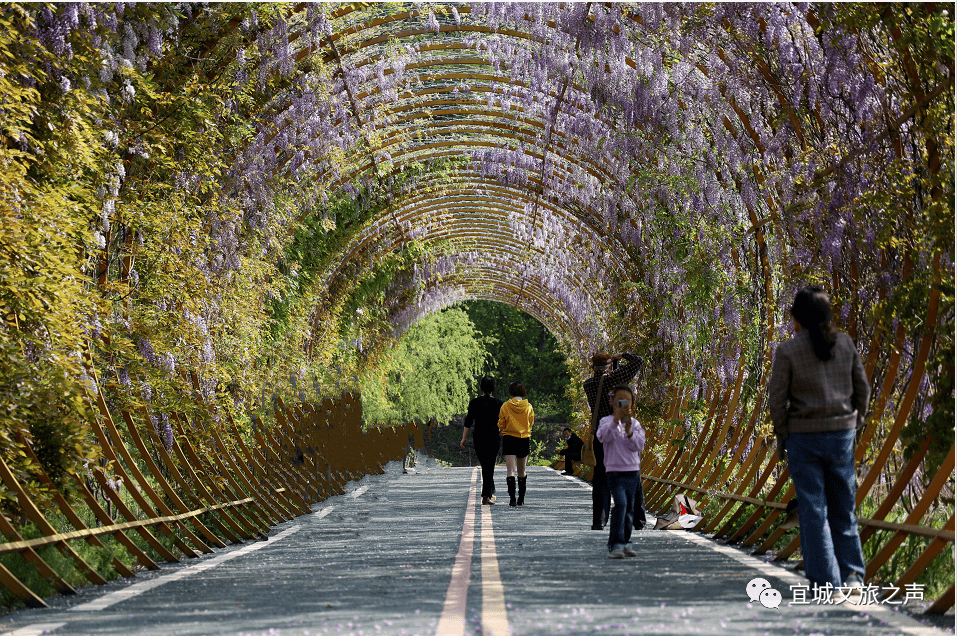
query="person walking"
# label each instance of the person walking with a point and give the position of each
(515, 421)
(817, 398)
(623, 439)
(483, 416)
(572, 452)
(603, 365)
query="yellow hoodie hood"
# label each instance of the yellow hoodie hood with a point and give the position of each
(516, 418)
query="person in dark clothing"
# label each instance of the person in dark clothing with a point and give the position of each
(604, 364)
(573, 453)
(483, 416)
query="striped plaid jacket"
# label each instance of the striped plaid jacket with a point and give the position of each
(620, 376)
(808, 395)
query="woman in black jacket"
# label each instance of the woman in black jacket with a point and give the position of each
(817, 397)
(483, 416)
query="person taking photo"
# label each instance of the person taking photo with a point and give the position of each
(623, 439)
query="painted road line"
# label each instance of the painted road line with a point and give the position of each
(883, 613)
(578, 482)
(138, 588)
(452, 620)
(35, 630)
(355, 494)
(494, 616)
(575, 480)
(322, 513)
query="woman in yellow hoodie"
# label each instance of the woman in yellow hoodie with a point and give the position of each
(515, 420)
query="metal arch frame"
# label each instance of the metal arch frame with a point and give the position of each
(419, 148)
(427, 202)
(413, 32)
(368, 42)
(480, 242)
(482, 281)
(595, 170)
(395, 18)
(577, 339)
(376, 224)
(457, 45)
(444, 154)
(450, 144)
(541, 299)
(501, 250)
(493, 130)
(531, 175)
(472, 239)
(742, 118)
(489, 279)
(368, 237)
(521, 35)
(420, 107)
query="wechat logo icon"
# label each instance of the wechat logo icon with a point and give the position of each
(760, 590)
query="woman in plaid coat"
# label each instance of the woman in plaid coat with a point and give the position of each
(818, 396)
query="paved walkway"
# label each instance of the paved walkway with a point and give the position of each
(412, 554)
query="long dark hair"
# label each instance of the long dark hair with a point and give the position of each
(812, 308)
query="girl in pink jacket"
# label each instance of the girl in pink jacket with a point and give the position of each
(623, 438)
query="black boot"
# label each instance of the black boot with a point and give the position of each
(510, 481)
(521, 490)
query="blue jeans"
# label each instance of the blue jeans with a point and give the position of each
(622, 485)
(822, 467)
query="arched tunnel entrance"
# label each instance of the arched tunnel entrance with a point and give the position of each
(220, 219)
(436, 369)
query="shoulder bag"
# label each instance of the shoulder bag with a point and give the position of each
(588, 450)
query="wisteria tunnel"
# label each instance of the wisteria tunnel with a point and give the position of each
(219, 220)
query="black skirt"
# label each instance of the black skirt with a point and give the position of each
(518, 446)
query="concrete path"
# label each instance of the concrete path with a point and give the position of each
(413, 554)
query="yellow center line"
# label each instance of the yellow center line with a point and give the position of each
(494, 616)
(452, 620)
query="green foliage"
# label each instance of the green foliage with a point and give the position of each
(544, 444)
(431, 373)
(519, 348)
(937, 577)
(44, 192)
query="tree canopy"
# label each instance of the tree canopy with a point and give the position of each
(431, 373)
(520, 348)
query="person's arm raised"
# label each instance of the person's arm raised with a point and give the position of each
(625, 373)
